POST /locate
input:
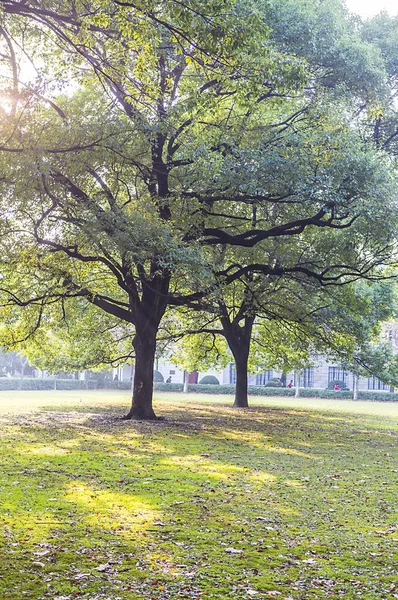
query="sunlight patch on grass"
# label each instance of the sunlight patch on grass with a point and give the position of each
(292, 451)
(212, 503)
(263, 477)
(112, 508)
(43, 450)
(204, 466)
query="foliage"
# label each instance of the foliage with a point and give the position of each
(45, 384)
(12, 363)
(342, 384)
(158, 377)
(209, 380)
(274, 383)
(200, 351)
(203, 154)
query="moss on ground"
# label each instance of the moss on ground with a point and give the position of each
(283, 500)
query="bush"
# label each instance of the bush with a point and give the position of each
(45, 384)
(274, 382)
(158, 377)
(267, 390)
(209, 380)
(117, 385)
(342, 384)
(325, 393)
(261, 390)
(209, 388)
(7, 383)
(168, 387)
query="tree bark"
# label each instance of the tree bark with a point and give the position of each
(297, 392)
(145, 348)
(186, 377)
(355, 387)
(241, 359)
(239, 338)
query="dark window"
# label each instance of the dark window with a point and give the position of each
(337, 373)
(232, 373)
(307, 377)
(375, 384)
(262, 378)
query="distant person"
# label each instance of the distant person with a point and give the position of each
(168, 380)
(116, 378)
(290, 384)
(337, 388)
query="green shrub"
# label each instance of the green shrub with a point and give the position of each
(267, 390)
(117, 385)
(209, 380)
(158, 377)
(274, 382)
(168, 387)
(384, 396)
(7, 383)
(325, 393)
(342, 384)
(209, 388)
(41, 384)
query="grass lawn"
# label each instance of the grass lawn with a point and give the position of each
(292, 499)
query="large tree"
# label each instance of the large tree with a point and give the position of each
(195, 148)
(285, 324)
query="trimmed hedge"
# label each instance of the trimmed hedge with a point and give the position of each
(256, 390)
(158, 377)
(274, 382)
(45, 384)
(7, 383)
(209, 380)
(170, 387)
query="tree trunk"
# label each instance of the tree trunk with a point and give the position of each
(241, 358)
(145, 348)
(297, 392)
(186, 377)
(355, 387)
(239, 338)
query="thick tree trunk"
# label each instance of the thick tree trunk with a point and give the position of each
(241, 400)
(239, 338)
(145, 347)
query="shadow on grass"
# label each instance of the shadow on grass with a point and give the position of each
(211, 501)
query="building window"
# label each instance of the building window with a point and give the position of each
(307, 377)
(375, 384)
(232, 373)
(337, 373)
(262, 378)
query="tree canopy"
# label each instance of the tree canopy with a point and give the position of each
(167, 151)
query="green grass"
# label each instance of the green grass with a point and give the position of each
(291, 499)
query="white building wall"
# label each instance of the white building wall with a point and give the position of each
(168, 369)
